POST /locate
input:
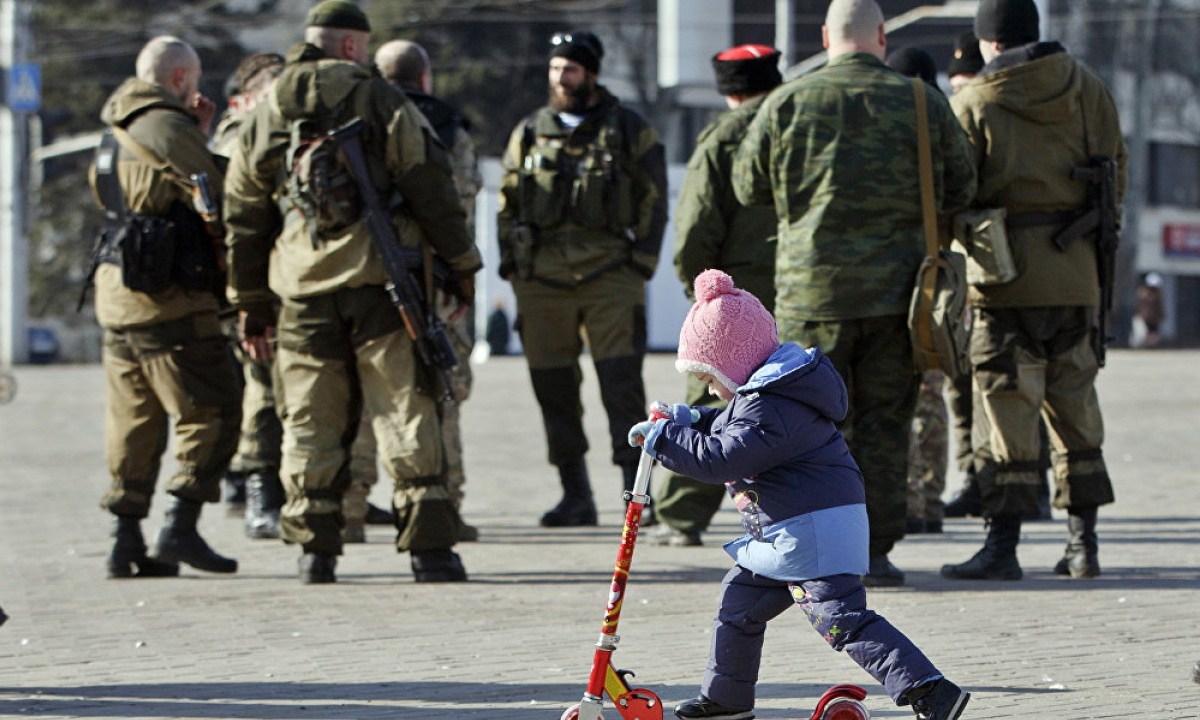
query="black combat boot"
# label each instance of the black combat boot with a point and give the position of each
(937, 700)
(317, 568)
(576, 509)
(264, 499)
(438, 566)
(998, 558)
(179, 541)
(1080, 559)
(128, 557)
(968, 501)
(233, 492)
(882, 573)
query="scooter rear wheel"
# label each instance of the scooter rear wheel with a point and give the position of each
(845, 709)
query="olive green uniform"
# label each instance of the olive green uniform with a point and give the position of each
(836, 153)
(261, 434)
(341, 343)
(714, 230)
(164, 355)
(593, 202)
(452, 130)
(1030, 121)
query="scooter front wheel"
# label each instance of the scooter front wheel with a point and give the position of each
(572, 713)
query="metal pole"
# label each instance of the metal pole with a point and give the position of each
(784, 21)
(14, 250)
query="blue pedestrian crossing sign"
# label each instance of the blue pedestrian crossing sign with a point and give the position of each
(23, 92)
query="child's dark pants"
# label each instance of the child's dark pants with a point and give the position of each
(837, 608)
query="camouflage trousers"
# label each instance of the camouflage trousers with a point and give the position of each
(685, 504)
(177, 370)
(1031, 362)
(928, 450)
(364, 471)
(874, 358)
(339, 353)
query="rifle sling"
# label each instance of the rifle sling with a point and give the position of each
(929, 216)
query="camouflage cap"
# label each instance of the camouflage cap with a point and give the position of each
(338, 14)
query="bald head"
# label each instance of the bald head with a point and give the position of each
(854, 26)
(162, 56)
(406, 64)
(172, 63)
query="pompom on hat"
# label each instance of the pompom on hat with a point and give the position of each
(727, 333)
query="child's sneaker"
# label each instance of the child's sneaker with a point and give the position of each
(702, 707)
(938, 700)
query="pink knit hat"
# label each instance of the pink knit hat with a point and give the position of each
(727, 333)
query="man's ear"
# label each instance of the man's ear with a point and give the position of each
(178, 77)
(825, 36)
(348, 47)
(882, 37)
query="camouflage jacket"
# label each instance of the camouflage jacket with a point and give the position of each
(455, 133)
(158, 122)
(594, 197)
(836, 152)
(269, 242)
(1030, 121)
(714, 230)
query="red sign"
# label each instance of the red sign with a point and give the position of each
(1181, 240)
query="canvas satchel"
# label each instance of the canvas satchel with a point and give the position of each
(937, 312)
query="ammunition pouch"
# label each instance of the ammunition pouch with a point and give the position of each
(982, 236)
(155, 251)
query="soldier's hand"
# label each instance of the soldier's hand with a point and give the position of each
(204, 110)
(256, 329)
(463, 289)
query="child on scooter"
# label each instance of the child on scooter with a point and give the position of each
(777, 449)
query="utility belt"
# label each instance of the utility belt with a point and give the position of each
(1074, 224)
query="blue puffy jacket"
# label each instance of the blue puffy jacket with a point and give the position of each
(777, 448)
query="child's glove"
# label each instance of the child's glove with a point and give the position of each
(681, 414)
(645, 433)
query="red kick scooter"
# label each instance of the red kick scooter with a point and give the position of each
(840, 702)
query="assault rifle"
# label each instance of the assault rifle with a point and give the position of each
(1100, 217)
(206, 206)
(421, 321)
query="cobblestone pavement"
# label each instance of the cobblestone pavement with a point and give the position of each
(515, 643)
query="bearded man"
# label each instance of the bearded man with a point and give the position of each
(582, 212)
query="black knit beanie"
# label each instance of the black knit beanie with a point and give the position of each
(914, 62)
(1009, 22)
(581, 47)
(967, 59)
(747, 70)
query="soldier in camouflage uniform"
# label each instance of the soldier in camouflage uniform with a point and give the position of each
(714, 230)
(1033, 115)
(255, 467)
(582, 213)
(836, 152)
(406, 65)
(928, 455)
(165, 357)
(342, 344)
